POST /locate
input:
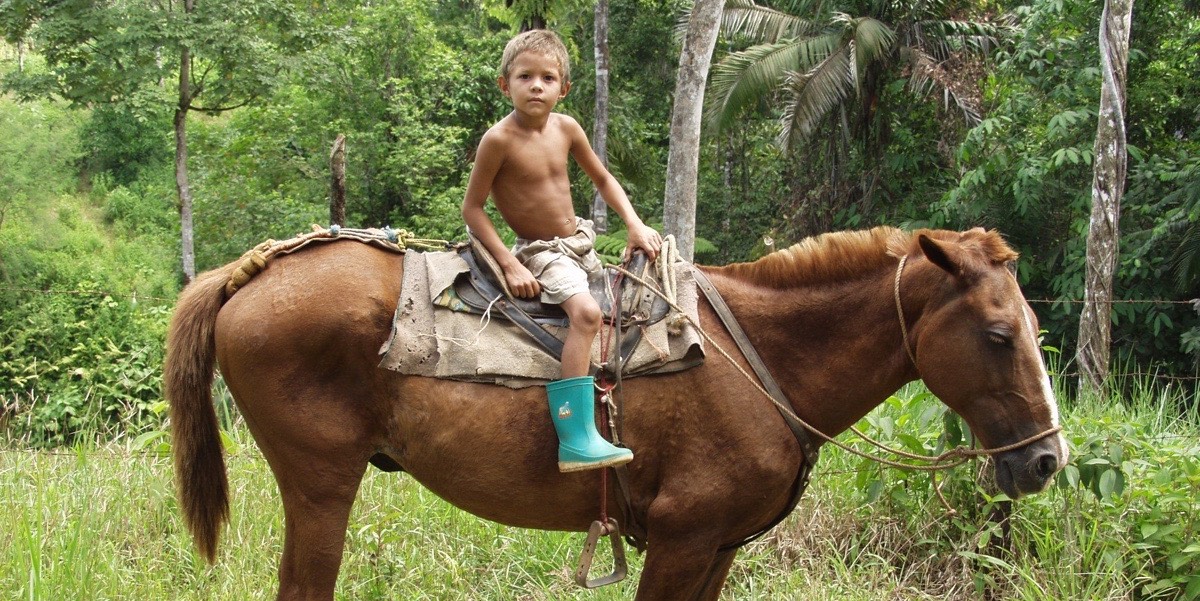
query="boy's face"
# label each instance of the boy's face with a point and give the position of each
(534, 83)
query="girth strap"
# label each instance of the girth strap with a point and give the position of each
(809, 449)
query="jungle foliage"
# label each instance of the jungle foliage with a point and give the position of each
(964, 113)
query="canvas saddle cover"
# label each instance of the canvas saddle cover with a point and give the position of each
(448, 326)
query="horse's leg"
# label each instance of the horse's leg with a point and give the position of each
(717, 573)
(680, 552)
(317, 496)
(675, 569)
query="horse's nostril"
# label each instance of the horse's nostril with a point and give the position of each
(1047, 464)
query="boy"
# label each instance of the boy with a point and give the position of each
(522, 164)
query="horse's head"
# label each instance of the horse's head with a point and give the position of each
(976, 347)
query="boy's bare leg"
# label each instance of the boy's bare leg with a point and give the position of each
(585, 318)
(572, 404)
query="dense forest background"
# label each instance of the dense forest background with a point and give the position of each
(996, 131)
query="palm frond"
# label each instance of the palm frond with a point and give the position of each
(743, 78)
(874, 42)
(928, 76)
(942, 38)
(1186, 260)
(812, 94)
(762, 24)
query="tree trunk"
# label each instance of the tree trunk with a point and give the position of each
(181, 175)
(683, 158)
(600, 127)
(1108, 184)
(337, 183)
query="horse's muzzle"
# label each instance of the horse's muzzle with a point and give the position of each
(1028, 470)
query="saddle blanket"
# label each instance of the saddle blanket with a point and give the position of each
(434, 341)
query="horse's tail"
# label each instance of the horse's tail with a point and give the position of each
(187, 383)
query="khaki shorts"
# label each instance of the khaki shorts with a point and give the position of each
(561, 265)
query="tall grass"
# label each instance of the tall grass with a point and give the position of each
(101, 522)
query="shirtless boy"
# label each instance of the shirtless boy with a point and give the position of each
(522, 164)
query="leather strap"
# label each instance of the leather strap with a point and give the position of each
(756, 363)
(549, 343)
(808, 448)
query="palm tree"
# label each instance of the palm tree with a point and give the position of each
(829, 67)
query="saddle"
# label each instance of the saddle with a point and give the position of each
(483, 288)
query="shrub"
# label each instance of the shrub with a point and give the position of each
(1122, 518)
(82, 323)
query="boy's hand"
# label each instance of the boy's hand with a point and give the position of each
(645, 238)
(521, 281)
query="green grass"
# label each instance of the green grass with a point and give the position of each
(101, 522)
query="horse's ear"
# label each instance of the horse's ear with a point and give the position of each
(941, 254)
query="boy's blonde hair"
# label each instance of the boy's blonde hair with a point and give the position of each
(541, 41)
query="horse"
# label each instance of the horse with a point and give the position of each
(841, 320)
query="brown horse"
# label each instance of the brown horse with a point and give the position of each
(714, 460)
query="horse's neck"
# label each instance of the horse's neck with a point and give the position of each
(836, 349)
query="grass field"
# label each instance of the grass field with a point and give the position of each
(101, 522)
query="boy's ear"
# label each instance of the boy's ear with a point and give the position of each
(503, 83)
(566, 87)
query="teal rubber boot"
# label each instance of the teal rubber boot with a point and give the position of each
(573, 411)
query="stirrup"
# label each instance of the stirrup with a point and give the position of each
(620, 567)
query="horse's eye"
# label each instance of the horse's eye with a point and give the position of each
(999, 338)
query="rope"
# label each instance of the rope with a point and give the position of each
(484, 321)
(947, 460)
(900, 312)
(255, 260)
(606, 341)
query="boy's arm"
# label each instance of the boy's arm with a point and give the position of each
(640, 235)
(487, 163)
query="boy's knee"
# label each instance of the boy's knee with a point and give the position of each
(586, 315)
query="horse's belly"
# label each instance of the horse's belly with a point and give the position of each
(491, 451)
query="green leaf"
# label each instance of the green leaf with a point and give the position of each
(874, 489)
(1069, 477)
(1178, 560)
(1108, 483)
(1193, 588)
(231, 446)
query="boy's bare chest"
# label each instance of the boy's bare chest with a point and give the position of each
(537, 157)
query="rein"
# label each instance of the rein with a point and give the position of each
(900, 312)
(949, 459)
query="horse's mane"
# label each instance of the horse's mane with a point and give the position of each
(839, 256)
